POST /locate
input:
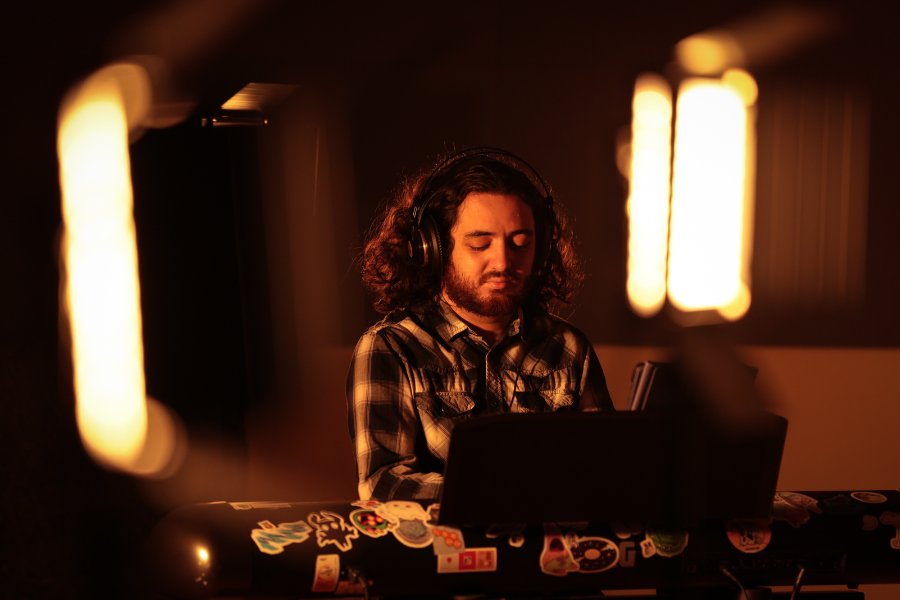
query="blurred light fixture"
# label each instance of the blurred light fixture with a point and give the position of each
(102, 295)
(648, 195)
(711, 224)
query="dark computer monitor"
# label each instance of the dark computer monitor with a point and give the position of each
(660, 467)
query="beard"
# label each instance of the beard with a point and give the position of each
(464, 292)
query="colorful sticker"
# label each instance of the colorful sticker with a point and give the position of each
(593, 554)
(869, 497)
(627, 553)
(240, 505)
(370, 522)
(793, 508)
(469, 561)
(892, 518)
(514, 530)
(328, 568)
(556, 558)
(669, 541)
(625, 529)
(332, 529)
(272, 540)
(410, 522)
(842, 505)
(447, 540)
(749, 535)
(870, 523)
(648, 548)
(801, 500)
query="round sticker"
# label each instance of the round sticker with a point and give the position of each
(869, 497)
(748, 535)
(594, 554)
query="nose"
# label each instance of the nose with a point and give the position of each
(500, 257)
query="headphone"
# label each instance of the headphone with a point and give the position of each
(424, 246)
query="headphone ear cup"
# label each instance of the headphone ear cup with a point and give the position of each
(433, 251)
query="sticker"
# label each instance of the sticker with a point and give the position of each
(350, 588)
(648, 548)
(410, 522)
(749, 535)
(514, 530)
(869, 497)
(593, 554)
(474, 559)
(892, 518)
(332, 529)
(801, 501)
(627, 554)
(267, 525)
(273, 540)
(791, 507)
(669, 541)
(328, 567)
(556, 558)
(842, 505)
(414, 533)
(625, 529)
(447, 540)
(870, 523)
(370, 522)
(249, 505)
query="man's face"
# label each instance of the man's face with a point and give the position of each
(493, 251)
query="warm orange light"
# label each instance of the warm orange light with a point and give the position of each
(648, 196)
(709, 248)
(102, 288)
(202, 554)
(709, 53)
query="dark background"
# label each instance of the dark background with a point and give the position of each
(392, 86)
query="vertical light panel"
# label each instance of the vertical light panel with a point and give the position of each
(648, 194)
(102, 294)
(709, 247)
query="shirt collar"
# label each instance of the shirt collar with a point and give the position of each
(451, 325)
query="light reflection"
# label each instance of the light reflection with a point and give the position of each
(648, 199)
(102, 296)
(709, 246)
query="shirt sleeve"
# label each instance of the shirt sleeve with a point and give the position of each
(384, 424)
(594, 393)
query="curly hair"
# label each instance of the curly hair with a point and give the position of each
(395, 282)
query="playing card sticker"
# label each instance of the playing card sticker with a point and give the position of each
(327, 570)
(869, 497)
(332, 529)
(749, 535)
(468, 561)
(272, 540)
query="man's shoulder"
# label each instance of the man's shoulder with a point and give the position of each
(400, 328)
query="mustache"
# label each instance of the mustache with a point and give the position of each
(497, 276)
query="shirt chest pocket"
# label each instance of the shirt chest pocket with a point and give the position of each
(550, 392)
(438, 413)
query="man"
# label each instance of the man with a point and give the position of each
(466, 261)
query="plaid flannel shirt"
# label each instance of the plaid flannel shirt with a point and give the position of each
(416, 374)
